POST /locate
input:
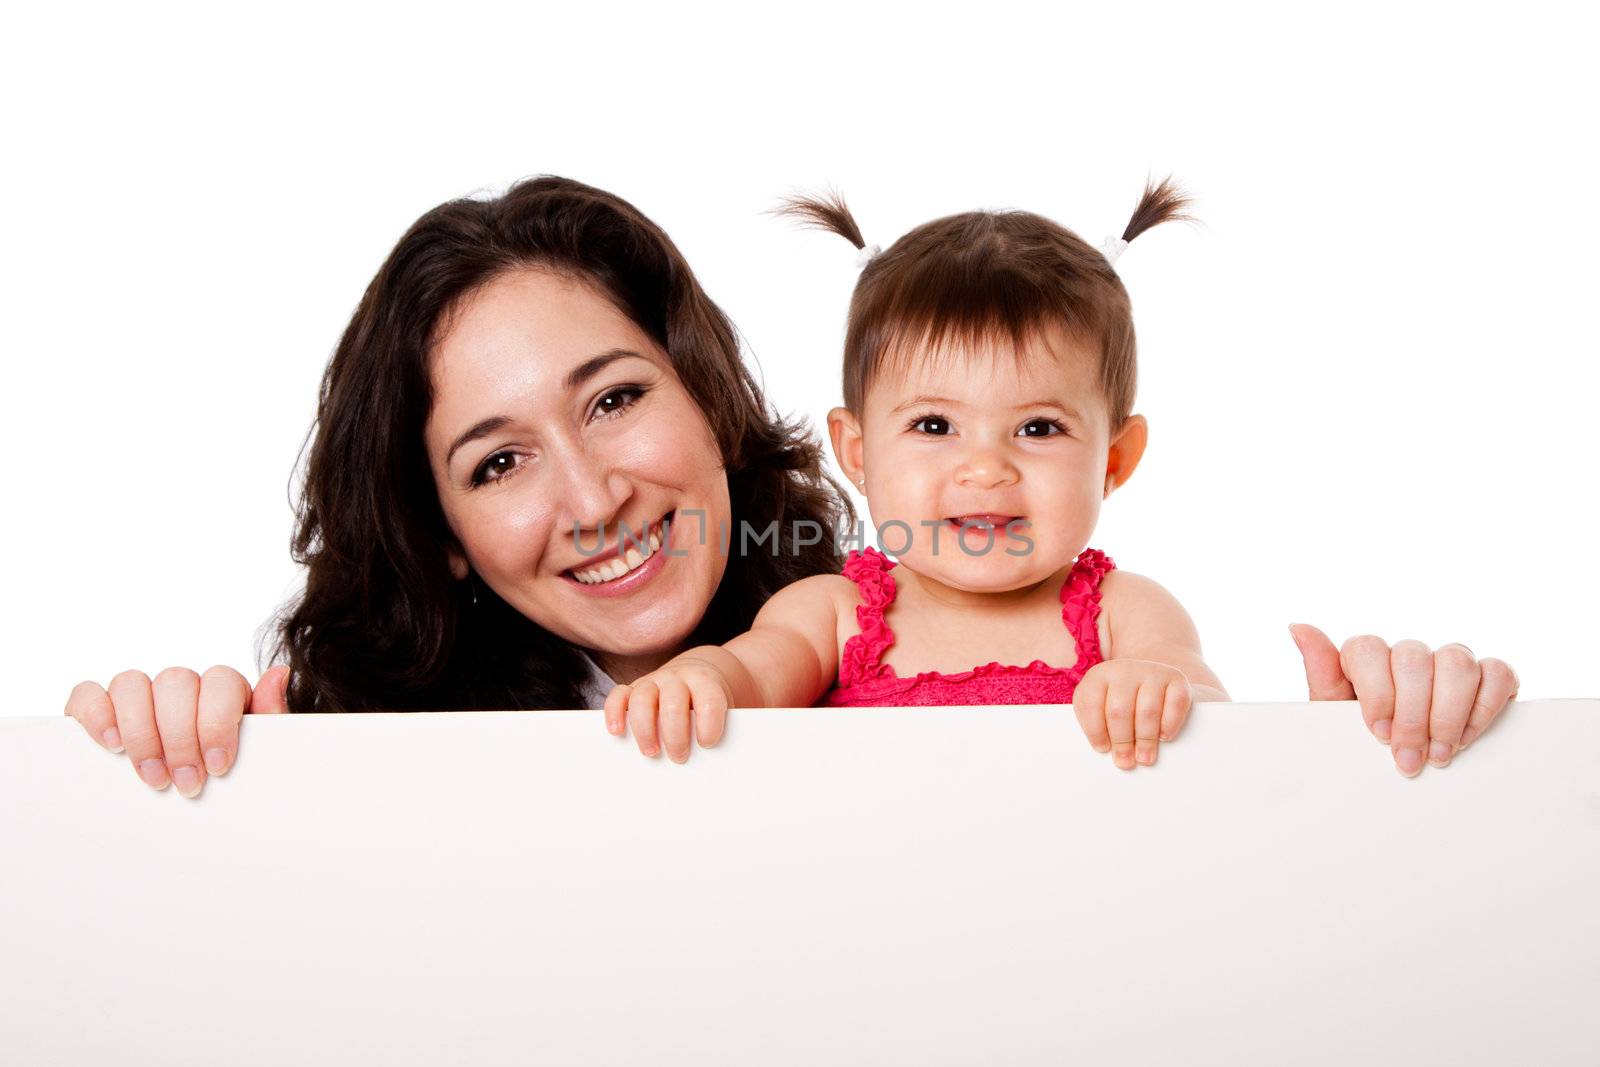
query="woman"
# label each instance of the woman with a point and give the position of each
(530, 441)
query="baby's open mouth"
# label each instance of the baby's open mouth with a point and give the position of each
(984, 521)
(634, 552)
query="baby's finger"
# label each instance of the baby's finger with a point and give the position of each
(90, 705)
(674, 718)
(710, 710)
(177, 697)
(617, 709)
(1499, 684)
(1119, 723)
(224, 695)
(1088, 704)
(1147, 721)
(136, 722)
(642, 717)
(1455, 686)
(1365, 661)
(1412, 666)
(1175, 709)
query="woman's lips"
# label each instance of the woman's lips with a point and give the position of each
(625, 568)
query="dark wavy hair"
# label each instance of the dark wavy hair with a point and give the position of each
(382, 624)
(988, 275)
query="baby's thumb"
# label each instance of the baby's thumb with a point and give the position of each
(271, 694)
(1324, 677)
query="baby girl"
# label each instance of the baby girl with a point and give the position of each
(989, 376)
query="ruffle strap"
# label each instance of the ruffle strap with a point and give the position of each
(860, 659)
(1080, 602)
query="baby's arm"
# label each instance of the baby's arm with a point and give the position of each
(1140, 695)
(788, 658)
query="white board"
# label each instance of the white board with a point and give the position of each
(847, 886)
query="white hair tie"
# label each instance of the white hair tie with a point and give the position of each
(864, 256)
(1112, 248)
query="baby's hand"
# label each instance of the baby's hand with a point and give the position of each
(1129, 706)
(664, 708)
(1419, 703)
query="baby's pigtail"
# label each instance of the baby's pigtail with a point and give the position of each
(824, 212)
(828, 212)
(1162, 202)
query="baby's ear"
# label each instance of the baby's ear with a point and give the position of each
(1127, 447)
(845, 431)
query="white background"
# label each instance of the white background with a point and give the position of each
(1370, 374)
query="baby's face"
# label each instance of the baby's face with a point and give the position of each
(991, 435)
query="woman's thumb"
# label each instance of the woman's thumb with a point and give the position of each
(271, 694)
(1324, 677)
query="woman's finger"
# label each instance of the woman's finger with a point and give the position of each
(136, 722)
(1089, 705)
(91, 706)
(271, 694)
(1365, 661)
(674, 718)
(224, 696)
(1147, 721)
(710, 710)
(1325, 678)
(1455, 686)
(1498, 685)
(1411, 663)
(642, 717)
(177, 697)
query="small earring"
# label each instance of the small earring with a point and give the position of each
(861, 483)
(472, 586)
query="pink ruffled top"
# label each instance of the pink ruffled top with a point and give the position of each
(866, 681)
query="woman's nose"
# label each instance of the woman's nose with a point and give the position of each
(593, 490)
(986, 468)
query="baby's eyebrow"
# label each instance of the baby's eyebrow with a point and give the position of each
(924, 400)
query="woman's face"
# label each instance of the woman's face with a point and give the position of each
(559, 426)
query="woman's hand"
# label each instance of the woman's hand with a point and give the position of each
(180, 727)
(667, 707)
(1415, 701)
(1129, 706)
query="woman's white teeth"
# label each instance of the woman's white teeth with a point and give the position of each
(617, 566)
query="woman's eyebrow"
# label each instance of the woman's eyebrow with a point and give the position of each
(575, 378)
(478, 429)
(595, 364)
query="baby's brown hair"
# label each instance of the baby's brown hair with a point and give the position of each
(987, 276)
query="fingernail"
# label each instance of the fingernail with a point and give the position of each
(1439, 754)
(678, 759)
(1102, 748)
(1125, 760)
(1381, 728)
(1146, 756)
(154, 773)
(1468, 737)
(217, 761)
(187, 779)
(1409, 760)
(113, 739)
(652, 752)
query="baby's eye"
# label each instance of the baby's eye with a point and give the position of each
(497, 468)
(617, 400)
(932, 425)
(1041, 428)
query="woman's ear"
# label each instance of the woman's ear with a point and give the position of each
(458, 561)
(845, 431)
(1126, 449)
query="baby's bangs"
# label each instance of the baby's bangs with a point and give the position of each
(945, 341)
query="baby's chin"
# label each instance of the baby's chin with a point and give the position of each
(995, 572)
